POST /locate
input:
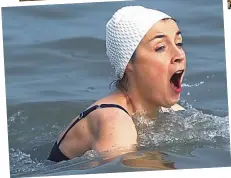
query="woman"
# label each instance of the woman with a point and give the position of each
(145, 50)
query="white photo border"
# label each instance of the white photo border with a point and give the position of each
(206, 172)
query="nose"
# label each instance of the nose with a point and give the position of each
(178, 54)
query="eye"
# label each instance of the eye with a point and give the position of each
(160, 49)
(180, 44)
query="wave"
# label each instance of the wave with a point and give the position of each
(189, 127)
(38, 12)
(77, 43)
(204, 40)
(37, 125)
(200, 124)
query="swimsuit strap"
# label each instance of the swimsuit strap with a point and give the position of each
(113, 105)
(88, 111)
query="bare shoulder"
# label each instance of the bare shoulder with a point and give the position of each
(115, 128)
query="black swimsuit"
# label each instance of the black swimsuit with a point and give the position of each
(55, 154)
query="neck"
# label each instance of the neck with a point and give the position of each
(140, 106)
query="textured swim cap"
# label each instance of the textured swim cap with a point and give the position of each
(125, 30)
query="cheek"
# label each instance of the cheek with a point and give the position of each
(159, 71)
(151, 68)
(153, 74)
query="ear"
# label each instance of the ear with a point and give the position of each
(129, 68)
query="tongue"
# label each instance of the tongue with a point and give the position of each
(175, 88)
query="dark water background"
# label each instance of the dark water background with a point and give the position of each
(56, 66)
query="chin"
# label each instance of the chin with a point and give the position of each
(167, 105)
(170, 103)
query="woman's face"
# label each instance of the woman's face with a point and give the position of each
(159, 64)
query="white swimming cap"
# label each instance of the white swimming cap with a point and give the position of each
(125, 30)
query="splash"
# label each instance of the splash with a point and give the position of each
(192, 85)
(190, 127)
(180, 132)
(22, 162)
(17, 117)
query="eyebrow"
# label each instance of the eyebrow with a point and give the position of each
(163, 36)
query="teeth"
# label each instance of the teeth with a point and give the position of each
(179, 72)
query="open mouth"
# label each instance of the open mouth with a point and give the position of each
(176, 80)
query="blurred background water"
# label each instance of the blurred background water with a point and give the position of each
(55, 66)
